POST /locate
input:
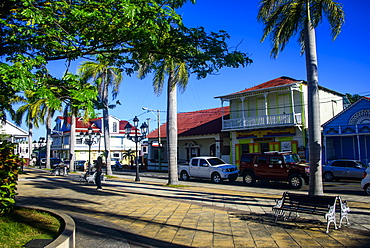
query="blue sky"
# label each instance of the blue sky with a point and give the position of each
(343, 64)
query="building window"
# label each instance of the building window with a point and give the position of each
(114, 127)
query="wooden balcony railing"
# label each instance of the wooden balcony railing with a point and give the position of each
(263, 121)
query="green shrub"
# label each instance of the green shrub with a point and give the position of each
(9, 168)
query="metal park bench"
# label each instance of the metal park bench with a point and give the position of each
(318, 205)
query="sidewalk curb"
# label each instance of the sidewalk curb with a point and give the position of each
(67, 238)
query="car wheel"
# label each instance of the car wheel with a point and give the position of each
(249, 179)
(328, 176)
(367, 189)
(216, 178)
(184, 176)
(295, 181)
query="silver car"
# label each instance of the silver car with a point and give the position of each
(343, 169)
(365, 183)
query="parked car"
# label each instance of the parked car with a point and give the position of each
(208, 167)
(343, 169)
(53, 162)
(274, 166)
(365, 183)
(79, 165)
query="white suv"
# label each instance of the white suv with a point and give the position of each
(365, 183)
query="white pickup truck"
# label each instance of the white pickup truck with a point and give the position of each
(208, 167)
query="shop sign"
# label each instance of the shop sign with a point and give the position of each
(264, 133)
(268, 139)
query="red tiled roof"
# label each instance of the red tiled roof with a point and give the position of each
(122, 125)
(281, 81)
(80, 124)
(201, 122)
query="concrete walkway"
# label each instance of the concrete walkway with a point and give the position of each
(149, 214)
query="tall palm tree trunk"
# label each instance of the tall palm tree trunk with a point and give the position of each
(48, 138)
(172, 130)
(30, 148)
(72, 143)
(104, 96)
(107, 141)
(314, 136)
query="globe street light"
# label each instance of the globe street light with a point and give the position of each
(136, 138)
(90, 138)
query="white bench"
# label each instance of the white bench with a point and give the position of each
(89, 177)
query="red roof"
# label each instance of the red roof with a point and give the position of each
(281, 81)
(200, 122)
(81, 125)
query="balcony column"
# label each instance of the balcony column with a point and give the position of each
(222, 115)
(266, 108)
(292, 100)
(243, 114)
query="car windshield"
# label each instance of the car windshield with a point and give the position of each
(361, 164)
(215, 161)
(292, 158)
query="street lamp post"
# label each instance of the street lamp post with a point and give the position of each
(40, 144)
(90, 138)
(136, 138)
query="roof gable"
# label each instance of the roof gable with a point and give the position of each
(345, 115)
(11, 129)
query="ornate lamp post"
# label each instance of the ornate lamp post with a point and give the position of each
(90, 138)
(136, 138)
(39, 143)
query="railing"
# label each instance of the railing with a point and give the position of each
(265, 120)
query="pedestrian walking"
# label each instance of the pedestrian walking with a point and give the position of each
(99, 169)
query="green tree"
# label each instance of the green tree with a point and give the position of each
(177, 75)
(283, 19)
(104, 76)
(353, 98)
(9, 169)
(202, 59)
(130, 155)
(33, 111)
(37, 32)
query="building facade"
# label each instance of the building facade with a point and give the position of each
(119, 143)
(347, 135)
(272, 116)
(19, 136)
(199, 134)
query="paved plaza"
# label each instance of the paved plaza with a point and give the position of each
(150, 214)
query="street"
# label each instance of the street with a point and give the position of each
(349, 189)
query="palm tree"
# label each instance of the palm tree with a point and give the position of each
(34, 112)
(104, 76)
(284, 18)
(129, 155)
(177, 75)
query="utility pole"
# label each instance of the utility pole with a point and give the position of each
(159, 135)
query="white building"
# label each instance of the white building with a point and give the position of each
(17, 135)
(119, 143)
